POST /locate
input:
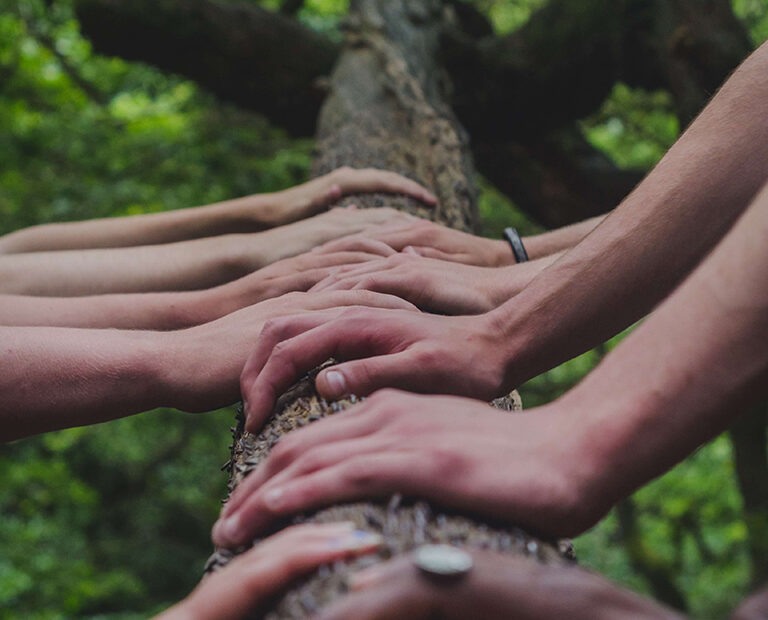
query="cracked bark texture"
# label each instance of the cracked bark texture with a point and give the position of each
(386, 108)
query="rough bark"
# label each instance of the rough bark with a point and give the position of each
(386, 108)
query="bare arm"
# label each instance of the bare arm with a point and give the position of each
(241, 215)
(684, 375)
(56, 377)
(178, 309)
(677, 381)
(646, 246)
(554, 241)
(185, 265)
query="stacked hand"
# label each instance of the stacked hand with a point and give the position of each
(202, 364)
(432, 240)
(498, 587)
(310, 197)
(431, 284)
(534, 469)
(389, 348)
(251, 579)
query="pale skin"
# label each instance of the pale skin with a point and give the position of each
(241, 215)
(497, 587)
(684, 375)
(435, 286)
(431, 240)
(180, 266)
(56, 377)
(180, 309)
(619, 272)
(250, 579)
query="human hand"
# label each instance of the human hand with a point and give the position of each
(431, 284)
(310, 197)
(536, 469)
(433, 240)
(297, 273)
(388, 348)
(249, 580)
(497, 586)
(201, 366)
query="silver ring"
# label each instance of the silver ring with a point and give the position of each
(442, 560)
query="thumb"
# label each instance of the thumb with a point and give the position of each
(362, 377)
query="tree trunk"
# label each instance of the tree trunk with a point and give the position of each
(386, 109)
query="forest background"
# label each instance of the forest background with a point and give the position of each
(112, 521)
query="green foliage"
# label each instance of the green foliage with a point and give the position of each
(113, 521)
(634, 126)
(754, 13)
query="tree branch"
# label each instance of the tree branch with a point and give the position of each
(558, 180)
(252, 57)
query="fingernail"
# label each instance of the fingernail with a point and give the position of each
(336, 384)
(228, 529)
(366, 577)
(273, 499)
(355, 541)
(245, 409)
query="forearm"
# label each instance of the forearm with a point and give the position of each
(646, 246)
(242, 215)
(555, 241)
(682, 376)
(510, 281)
(147, 311)
(55, 378)
(182, 266)
(185, 265)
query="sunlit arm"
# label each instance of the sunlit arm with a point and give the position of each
(58, 377)
(648, 244)
(684, 375)
(184, 265)
(241, 215)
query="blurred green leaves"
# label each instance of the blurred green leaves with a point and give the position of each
(113, 520)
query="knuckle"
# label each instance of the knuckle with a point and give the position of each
(427, 357)
(445, 462)
(365, 287)
(273, 329)
(282, 350)
(360, 473)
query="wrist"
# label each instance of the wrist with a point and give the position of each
(506, 282)
(606, 443)
(191, 375)
(499, 252)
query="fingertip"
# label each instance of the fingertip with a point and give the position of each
(227, 531)
(331, 384)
